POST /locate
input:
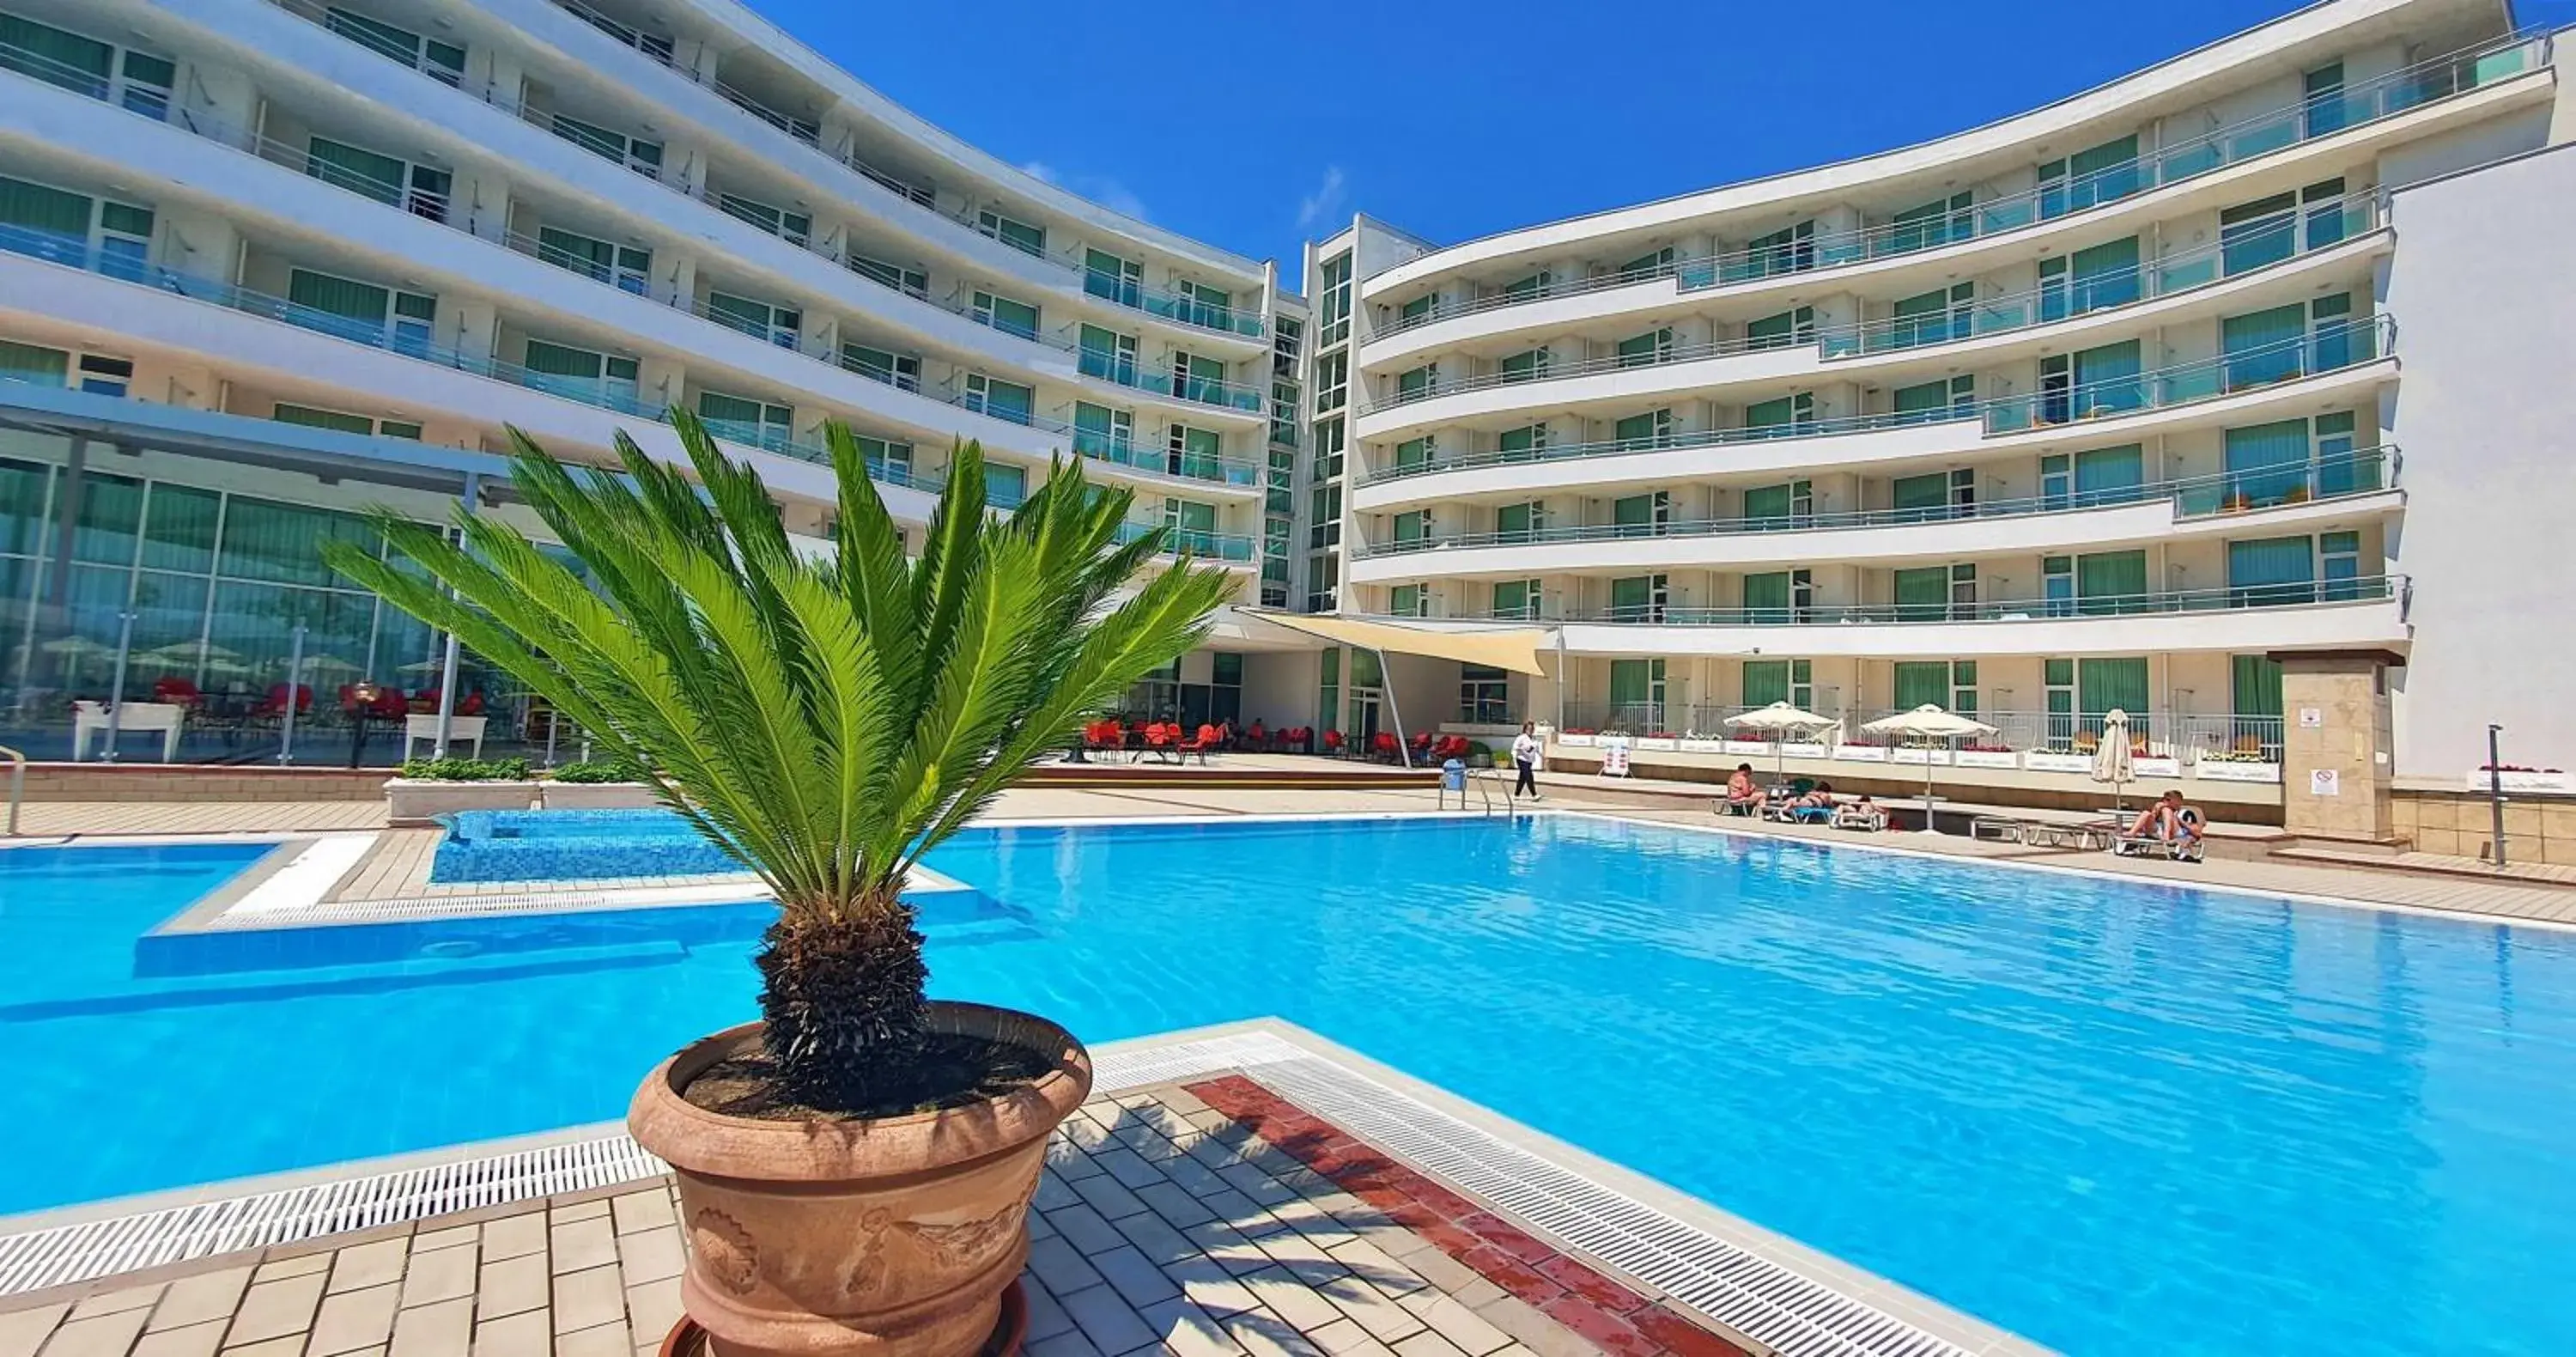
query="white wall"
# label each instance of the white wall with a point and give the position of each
(2484, 290)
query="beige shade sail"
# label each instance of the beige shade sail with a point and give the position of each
(1512, 648)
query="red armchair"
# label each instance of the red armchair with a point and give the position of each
(1333, 742)
(176, 691)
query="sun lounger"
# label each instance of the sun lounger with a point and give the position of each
(1856, 816)
(1999, 828)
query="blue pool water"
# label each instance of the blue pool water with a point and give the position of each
(2113, 1117)
(569, 845)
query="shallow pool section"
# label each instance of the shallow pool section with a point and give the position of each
(2112, 1116)
(572, 845)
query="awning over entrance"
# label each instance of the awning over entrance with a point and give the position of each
(1512, 648)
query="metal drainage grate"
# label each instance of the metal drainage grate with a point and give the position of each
(1793, 1315)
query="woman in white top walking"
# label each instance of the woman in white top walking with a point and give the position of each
(1525, 758)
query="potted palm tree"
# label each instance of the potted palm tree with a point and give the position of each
(855, 1166)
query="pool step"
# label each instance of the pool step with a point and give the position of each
(232, 987)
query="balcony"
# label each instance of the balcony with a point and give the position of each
(2269, 248)
(1171, 306)
(1124, 371)
(2417, 86)
(2329, 348)
(1231, 549)
(2224, 497)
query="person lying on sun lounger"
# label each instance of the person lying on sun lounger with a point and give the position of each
(1816, 807)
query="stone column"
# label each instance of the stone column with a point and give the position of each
(2335, 761)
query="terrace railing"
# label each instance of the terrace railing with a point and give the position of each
(2327, 348)
(2358, 105)
(2284, 594)
(2335, 476)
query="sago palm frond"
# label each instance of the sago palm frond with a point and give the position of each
(826, 720)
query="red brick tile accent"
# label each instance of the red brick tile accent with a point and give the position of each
(1604, 1312)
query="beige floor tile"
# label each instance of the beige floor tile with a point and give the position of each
(292, 1345)
(118, 1301)
(369, 1265)
(642, 1210)
(512, 1236)
(196, 1299)
(352, 1320)
(583, 1244)
(278, 1269)
(443, 1329)
(651, 1309)
(274, 1309)
(108, 1335)
(651, 1255)
(440, 1274)
(431, 1241)
(523, 1335)
(196, 1340)
(22, 1332)
(511, 1286)
(588, 1299)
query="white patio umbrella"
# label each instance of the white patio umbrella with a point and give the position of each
(1928, 722)
(1780, 720)
(2114, 762)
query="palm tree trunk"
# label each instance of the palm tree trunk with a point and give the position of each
(842, 998)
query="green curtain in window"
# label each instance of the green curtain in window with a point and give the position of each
(593, 258)
(1772, 414)
(2110, 581)
(1642, 348)
(1004, 484)
(1514, 518)
(53, 56)
(1633, 511)
(2106, 379)
(2263, 347)
(1008, 400)
(323, 419)
(338, 296)
(28, 363)
(2104, 172)
(1641, 430)
(1922, 681)
(1767, 501)
(355, 168)
(715, 405)
(1631, 598)
(2105, 275)
(555, 360)
(36, 207)
(1766, 597)
(2110, 475)
(2267, 463)
(1412, 527)
(2255, 686)
(1523, 366)
(1765, 682)
(1511, 598)
(1923, 403)
(1925, 319)
(2271, 570)
(1413, 382)
(22, 504)
(1923, 595)
(111, 516)
(1632, 686)
(1521, 440)
(1930, 491)
(2251, 235)
(1771, 332)
(2104, 684)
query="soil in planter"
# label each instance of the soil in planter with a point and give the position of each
(949, 1070)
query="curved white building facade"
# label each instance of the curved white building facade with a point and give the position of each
(264, 264)
(2094, 408)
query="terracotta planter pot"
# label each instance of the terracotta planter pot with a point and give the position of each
(894, 1237)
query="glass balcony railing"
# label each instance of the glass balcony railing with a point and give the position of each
(1123, 370)
(2268, 244)
(1231, 548)
(2326, 348)
(2334, 476)
(2357, 105)
(1171, 306)
(2286, 594)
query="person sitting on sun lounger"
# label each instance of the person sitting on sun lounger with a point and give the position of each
(1743, 795)
(2169, 824)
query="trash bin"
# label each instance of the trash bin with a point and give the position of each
(1453, 777)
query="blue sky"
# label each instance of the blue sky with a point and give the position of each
(1469, 118)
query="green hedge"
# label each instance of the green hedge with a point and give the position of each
(598, 771)
(467, 770)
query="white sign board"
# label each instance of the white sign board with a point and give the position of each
(1614, 756)
(2311, 719)
(2324, 782)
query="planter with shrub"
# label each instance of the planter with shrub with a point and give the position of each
(598, 784)
(428, 788)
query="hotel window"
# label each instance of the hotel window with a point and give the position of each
(1781, 331)
(1198, 379)
(2089, 177)
(1192, 526)
(1283, 414)
(1108, 355)
(1000, 399)
(2339, 565)
(1205, 306)
(1522, 443)
(1103, 433)
(1936, 400)
(1526, 366)
(1788, 250)
(1786, 417)
(620, 266)
(892, 461)
(1647, 515)
(1006, 315)
(1329, 701)
(796, 228)
(100, 375)
(899, 370)
(1933, 317)
(1638, 598)
(2325, 109)
(1005, 485)
(779, 325)
(1413, 525)
(582, 374)
(1790, 681)
(2269, 230)
(1119, 280)
(1328, 449)
(1288, 340)
(1653, 429)
(421, 190)
(1529, 287)
(1963, 687)
(617, 148)
(1652, 264)
(1484, 695)
(2254, 700)
(1196, 453)
(1516, 599)
(343, 422)
(1333, 309)
(1654, 346)
(2111, 582)
(740, 419)
(1415, 452)
(361, 311)
(1637, 695)
(440, 61)
(1520, 522)
(2090, 279)
(1933, 593)
(910, 282)
(1332, 382)
(1324, 519)
(57, 224)
(2090, 383)
(1780, 506)
(1407, 600)
(1416, 383)
(1019, 235)
(2057, 682)
(1780, 596)
(1939, 222)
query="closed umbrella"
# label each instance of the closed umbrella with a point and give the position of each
(2114, 762)
(1780, 720)
(1928, 722)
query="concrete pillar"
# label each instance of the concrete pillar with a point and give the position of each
(2335, 747)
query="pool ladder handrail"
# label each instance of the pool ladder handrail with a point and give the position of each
(17, 786)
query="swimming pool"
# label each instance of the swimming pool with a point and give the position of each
(2110, 1116)
(571, 845)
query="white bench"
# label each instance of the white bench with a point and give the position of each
(94, 718)
(423, 726)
